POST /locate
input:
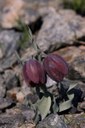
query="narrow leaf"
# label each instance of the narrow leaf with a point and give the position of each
(43, 106)
(65, 105)
(72, 85)
(55, 107)
(71, 96)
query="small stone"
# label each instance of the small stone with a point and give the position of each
(11, 80)
(8, 42)
(2, 87)
(5, 102)
(81, 106)
(20, 97)
(25, 89)
(52, 121)
(28, 114)
(11, 121)
(13, 92)
(8, 45)
(23, 109)
(1, 55)
(2, 91)
(28, 125)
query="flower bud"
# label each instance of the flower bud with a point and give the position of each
(33, 72)
(56, 67)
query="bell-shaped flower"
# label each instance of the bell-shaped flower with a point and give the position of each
(33, 72)
(56, 67)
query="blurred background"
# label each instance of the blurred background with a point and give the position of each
(57, 26)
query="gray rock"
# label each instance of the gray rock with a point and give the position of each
(2, 87)
(11, 121)
(11, 80)
(8, 45)
(24, 10)
(7, 62)
(52, 121)
(5, 102)
(59, 28)
(26, 112)
(44, 3)
(8, 41)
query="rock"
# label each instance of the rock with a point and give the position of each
(13, 92)
(11, 121)
(40, 3)
(2, 87)
(5, 102)
(78, 65)
(81, 85)
(52, 121)
(7, 62)
(26, 90)
(2, 91)
(28, 114)
(15, 120)
(11, 12)
(59, 28)
(28, 125)
(11, 80)
(70, 53)
(75, 120)
(24, 110)
(24, 10)
(81, 106)
(20, 97)
(8, 44)
(1, 55)
(75, 56)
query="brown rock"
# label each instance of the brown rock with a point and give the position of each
(75, 120)
(75, 56)
(12, 10)
(24, 10)
(20, 97)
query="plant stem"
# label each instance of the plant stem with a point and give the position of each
(18, 57)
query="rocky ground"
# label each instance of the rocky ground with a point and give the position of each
(55, 30)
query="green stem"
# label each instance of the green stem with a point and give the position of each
(18, 57)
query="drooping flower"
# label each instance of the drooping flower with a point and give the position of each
(33, 72)
(56, 67)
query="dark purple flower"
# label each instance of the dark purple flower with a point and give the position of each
(33, 72)
(56, 67)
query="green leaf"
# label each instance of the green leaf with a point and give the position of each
(65, 105)
(71, 96)
(26, 35)
(43, 106)
(55, 107)
(72, 85)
